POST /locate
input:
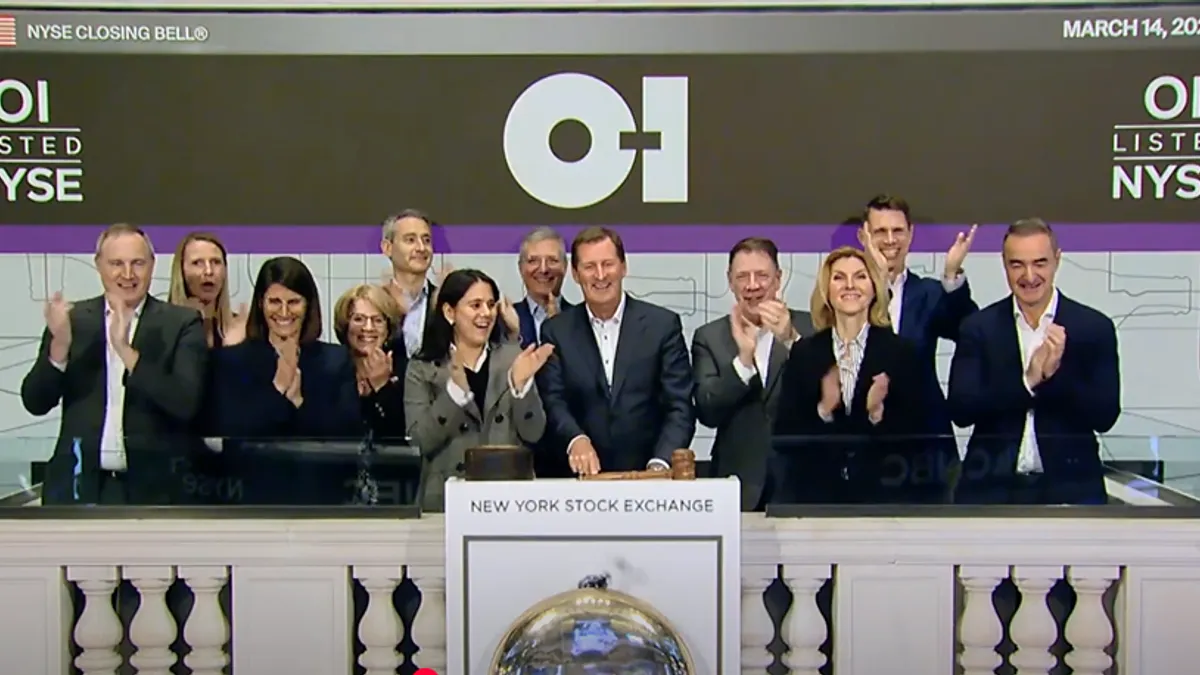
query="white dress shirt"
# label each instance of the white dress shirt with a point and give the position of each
(848, 355)
(763, 341)
(464, 397)
(608, 333)
(413, 328)
(539, 315)
(112, 435)
(112, 438)
(1029, 459)
(896, 289)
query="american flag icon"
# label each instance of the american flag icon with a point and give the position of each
(8, 31)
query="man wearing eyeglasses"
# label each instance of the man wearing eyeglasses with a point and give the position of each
(738, 361)
(543, 265)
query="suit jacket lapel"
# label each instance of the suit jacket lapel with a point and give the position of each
(430, 307)
(630, 333)
(589, 349)
(912, 306)
(145, 322)
(90, 329)
(528, 325)
(441, 381)
(778, 360)
(1010, 341)
(498, 365)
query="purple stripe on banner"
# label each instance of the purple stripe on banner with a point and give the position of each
(476, 239)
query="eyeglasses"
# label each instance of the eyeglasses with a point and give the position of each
(367, 320)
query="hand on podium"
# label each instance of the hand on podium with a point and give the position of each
(583, 458)
(683, 467)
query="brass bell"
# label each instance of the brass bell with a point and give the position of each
(592, 630)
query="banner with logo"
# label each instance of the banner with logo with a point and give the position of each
(763, 118)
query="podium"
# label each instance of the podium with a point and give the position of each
(674, 546)
(309, 473)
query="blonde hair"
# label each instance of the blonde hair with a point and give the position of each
(178, 293)
(822, 308)
(375, 295)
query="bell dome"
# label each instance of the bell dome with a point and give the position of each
(592, 630)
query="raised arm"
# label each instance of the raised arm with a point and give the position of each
(1092, 392)
(433, 415)
(720, 387)
(953, 306)
(176, 386)
(42, 388)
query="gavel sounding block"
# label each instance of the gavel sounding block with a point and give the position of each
(499, 462)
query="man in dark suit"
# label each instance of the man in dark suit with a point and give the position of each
(923, 310)
(618, 389)
(738, 362)
(1038, 376)
(543, 265)
(408, 243)
(129, 373)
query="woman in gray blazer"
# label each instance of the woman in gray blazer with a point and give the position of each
(468, 386)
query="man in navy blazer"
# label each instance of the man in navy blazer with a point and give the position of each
(543, 265)
(1038, 376)
(922, 311)
(618, 389)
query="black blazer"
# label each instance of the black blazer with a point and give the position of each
(1082, 399)
(383, 410)
(162, 396)
(646, 413)
(850, 460)
(247, 405)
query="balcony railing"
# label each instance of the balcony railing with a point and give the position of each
(883, 592)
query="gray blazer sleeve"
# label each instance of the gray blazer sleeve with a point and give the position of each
(719, 390)
(432, 415)
(527, 413)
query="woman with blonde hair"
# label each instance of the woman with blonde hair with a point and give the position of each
(364, 319)
(200, 280)
(850, 397)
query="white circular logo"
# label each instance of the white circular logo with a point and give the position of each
(543, 105)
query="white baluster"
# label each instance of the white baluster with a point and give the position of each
(380, 629)
(153, 628)
(98, 631)
(757, 628)
(804, 628)
(429, 625)
(1033, 630)
(206, 630)
(979, 628)
(1088, 628)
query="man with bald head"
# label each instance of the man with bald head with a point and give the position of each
(128, 371)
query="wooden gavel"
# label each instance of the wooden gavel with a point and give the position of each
(683, 467)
